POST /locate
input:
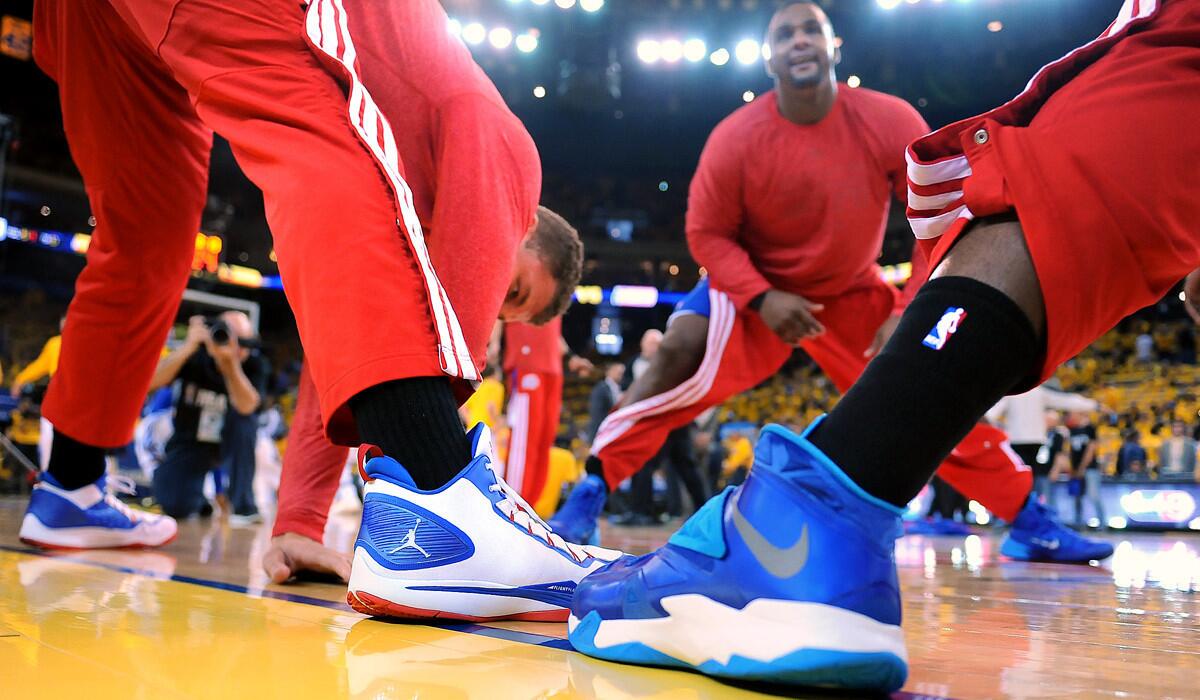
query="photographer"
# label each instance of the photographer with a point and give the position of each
(217, 372)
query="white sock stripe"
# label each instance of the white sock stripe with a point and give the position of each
(721, 323)
(328, 29)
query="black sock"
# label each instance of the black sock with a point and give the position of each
(593, 466)
(915, 402)
(74, 464)
(415, 421)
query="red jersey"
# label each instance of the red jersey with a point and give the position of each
(529, 348)
(474, 171)
(801, 208)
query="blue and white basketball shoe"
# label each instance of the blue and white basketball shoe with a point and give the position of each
(1038, 535)
(90, 517)
(578, 520)
(789, 578)
(471, 550)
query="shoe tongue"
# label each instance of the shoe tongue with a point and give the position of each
(480, 437)
(390, 469)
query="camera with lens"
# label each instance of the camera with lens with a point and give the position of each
(218, 330)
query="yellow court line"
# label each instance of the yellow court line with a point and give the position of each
(85, 630)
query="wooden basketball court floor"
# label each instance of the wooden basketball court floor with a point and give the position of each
(197, 620)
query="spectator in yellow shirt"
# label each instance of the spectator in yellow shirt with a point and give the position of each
(486, 405)
(45, 365)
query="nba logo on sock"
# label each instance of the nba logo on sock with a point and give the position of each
(946, 326)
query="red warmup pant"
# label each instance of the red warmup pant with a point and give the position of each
(534, 406)
(741, 352)
(143, 84)
(312, 469)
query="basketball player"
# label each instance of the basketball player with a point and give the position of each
(787, 212)
(791, 577)
(143, 85)
(533, 363)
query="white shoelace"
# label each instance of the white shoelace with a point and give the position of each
(116, 483)
(521, 513)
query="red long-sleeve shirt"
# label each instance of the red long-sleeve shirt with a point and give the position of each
(476, 179)
(801, 208)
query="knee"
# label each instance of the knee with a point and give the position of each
(681, 354)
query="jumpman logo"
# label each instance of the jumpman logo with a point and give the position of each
(410, 540)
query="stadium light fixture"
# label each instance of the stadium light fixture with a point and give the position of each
(500, 37)
(474, 33)
(591, 5)
(694, 50)
(719, 57)
(888, 4)
(539, 2)
(649, 51)
(748, 96)
(672, 50)
(539, 92)
(854, 81)
(454, 27)
(747, 51)
(527, 42)
(565, 4)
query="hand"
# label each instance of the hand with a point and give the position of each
(580, 365)
(291, 554)
(1191, 295)
(883, 335)
(791, 316)
(15, 391)
(197, 333)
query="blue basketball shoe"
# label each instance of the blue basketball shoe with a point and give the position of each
(578, 520)
(789, 578)
(1038, 535)
(90, 517)
(471, 550)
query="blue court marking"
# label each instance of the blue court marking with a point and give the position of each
(467, 627)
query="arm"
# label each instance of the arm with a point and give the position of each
(169, 367)
(312, 469)
(243, 395)
(41, 366)
(485, 199)
(575, 363)
(1063, 401)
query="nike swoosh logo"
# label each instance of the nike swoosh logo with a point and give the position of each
(1047, 544)
(780, 562)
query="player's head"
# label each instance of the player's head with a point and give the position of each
(801, 46)
(547, 270)
(651, 340)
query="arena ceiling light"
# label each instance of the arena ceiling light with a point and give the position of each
(500, 37)
(694, 50)
(474, 33)
(672, 50)
(649, 51)
(454, 27)
(527, 42)
(591, 5)
(719, 57)
(565, 4)
(888, 4)
(747, 51)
